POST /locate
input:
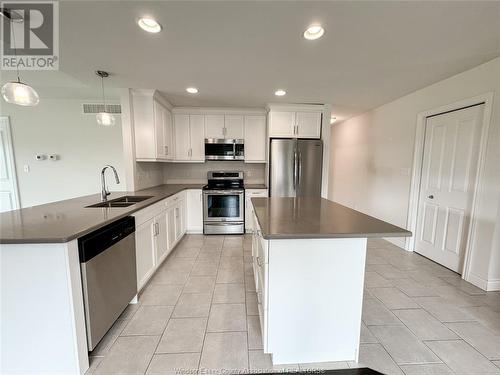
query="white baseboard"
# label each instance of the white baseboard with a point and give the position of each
(478, 281)
(398, 241)
(493, 285)
(194, 231)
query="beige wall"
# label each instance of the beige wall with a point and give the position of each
(372, 157)
(57, 126)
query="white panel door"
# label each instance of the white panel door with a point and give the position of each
(214, 126)
(308, 124)
(9, 198)
(281, 124)
(159, 123)
(197, 135)
(255, 139)
(233, 127)
(181, 135)
(448, 172)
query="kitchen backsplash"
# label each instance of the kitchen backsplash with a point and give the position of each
(182, 173)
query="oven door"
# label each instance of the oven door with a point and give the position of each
(221, 206)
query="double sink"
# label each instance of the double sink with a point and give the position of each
(125, 201)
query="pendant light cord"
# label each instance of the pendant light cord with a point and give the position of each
(15, 48)
(103, 97)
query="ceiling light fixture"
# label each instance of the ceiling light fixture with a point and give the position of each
(104, 118)
(333, 119)
(280, 92)
(192, 90)
(149, 24)
(314, 32)
(18, 92)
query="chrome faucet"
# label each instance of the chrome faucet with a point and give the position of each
(104, 191)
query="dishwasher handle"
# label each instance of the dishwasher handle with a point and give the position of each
(94, 243)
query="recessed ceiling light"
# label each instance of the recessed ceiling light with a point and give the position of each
(192, 90)
(280, 92)
(333, 119)
(149, 24)
(314, 32)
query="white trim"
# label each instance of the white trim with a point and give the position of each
(219, 111)
(478, 281)
(487, 99)
(397, 241)
(297, 107)
(11, 160)
(493, 285)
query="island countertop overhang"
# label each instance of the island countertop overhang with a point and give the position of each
(314, 217)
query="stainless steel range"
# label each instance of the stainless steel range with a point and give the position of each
(224, 203)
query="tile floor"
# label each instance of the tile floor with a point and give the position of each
(200, 311)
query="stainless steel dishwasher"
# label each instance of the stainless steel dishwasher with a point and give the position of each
(108, 267)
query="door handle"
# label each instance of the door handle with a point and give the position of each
(295, 166)
(431, 196)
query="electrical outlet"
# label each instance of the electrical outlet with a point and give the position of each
(26, 168)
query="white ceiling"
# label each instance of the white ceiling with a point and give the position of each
(237, 53)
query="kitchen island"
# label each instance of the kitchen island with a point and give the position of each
(309, 264)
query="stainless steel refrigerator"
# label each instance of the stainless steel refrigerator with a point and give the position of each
(295, 167)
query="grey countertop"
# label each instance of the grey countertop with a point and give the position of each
(66, 220)
(255, 186)
(311, 217)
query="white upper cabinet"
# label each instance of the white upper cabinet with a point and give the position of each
(308, 124)
(214, 126)
(189, 134)
(152, 128)
(181, 135)
(224, 126)
(169, 136)
(295, 124)
(197, 137)
(281, 124)
(255, 139)
(233, 126)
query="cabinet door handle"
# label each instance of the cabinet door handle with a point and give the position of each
(166, 150)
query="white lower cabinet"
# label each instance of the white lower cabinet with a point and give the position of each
(144, 251)
(194, 211)
(158, 228)
(249, 194)
(260, 249)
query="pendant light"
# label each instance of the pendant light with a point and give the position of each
(104, 118)
(18, 92)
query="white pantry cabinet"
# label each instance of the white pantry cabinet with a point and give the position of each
(249, 212)
(189, 134)
(295, 124)
(152, 128)
(194, 211)
(255, 139)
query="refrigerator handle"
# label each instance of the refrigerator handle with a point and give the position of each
(299, 167)
(295, 168)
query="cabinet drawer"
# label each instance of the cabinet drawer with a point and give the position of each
(253, 193)
(149, 212)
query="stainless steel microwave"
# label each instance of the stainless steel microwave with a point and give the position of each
(224, 149)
